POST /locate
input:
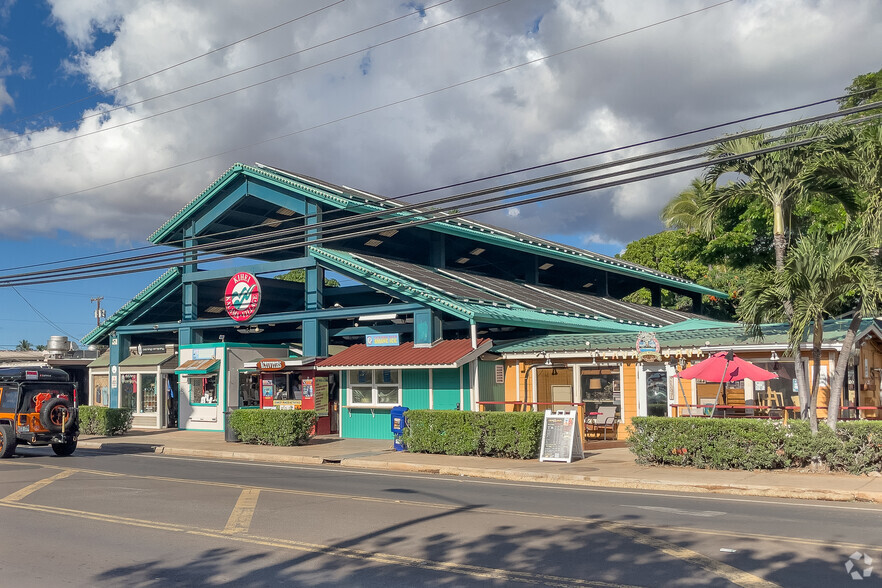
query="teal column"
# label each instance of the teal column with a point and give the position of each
(315, 331)
(655, 295)
(119, 350)
(190, 292)
(437, 250)
(426, 327)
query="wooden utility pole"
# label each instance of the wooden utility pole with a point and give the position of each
(99, 314)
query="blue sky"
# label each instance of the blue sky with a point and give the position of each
(385, 96)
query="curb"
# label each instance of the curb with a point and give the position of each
(521, 476)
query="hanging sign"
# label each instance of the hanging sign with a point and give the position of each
(242, 296)
(390, 340)
(270, 365)
(560, 439)
(648, 347)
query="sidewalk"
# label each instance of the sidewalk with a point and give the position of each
(602, 467)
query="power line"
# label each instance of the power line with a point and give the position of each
(242, 88)
(106, 111)
(163, 70)
(420, 217)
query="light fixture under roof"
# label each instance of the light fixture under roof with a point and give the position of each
(249, 330)
(462, 260)
(378, 317)
(373, 243)
(477, 251)
(389, 233)
(271, 222)
(285, 211)
(545, 266)
(214, 309)
(587, 284)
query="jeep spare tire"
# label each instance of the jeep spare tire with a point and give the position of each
(7, 441)
(57, 413)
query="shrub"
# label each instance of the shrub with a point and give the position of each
(855, 447)
(100, 420)
(274, 427)
(456, 432)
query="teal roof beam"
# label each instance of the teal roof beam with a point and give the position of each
(256, 269)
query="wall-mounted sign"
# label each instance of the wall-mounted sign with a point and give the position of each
(270, 365)
(242, 296)
(390, 340)
(648, 347)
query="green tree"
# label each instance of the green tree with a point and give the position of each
(864, 89)
(24, 345)
(299, 275)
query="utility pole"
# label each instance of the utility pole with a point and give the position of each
(99, 313)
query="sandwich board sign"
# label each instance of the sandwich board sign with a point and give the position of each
(560, 439)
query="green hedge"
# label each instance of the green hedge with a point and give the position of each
(455, 432)
(100, 420)
(749, 444)
(274, 427)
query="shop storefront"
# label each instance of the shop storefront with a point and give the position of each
(146, 383)
(291, 384)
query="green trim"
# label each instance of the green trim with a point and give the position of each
(203, 404)
(139, 300)
(340, 197)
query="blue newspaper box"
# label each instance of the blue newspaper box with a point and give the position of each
(398, 424)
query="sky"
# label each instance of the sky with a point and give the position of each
(115, 114)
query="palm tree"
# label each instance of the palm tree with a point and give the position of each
(779, 178)
(24, 345)
(682, 211)
(821, 277)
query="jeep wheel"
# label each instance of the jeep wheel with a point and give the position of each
(64, 449)
(54, 413)
(7, 441)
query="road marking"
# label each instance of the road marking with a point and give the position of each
(331, 550)
(28, 490)
(487, 510)
(678, 511)
(344, 471)
(240, 518)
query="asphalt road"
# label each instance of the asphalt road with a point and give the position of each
(103, 519)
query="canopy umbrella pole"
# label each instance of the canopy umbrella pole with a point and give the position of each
(722, 382)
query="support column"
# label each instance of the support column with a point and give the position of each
(119, 350)
(315, 338)
(437, 250)
(314, 331)
(190, 292)
(426, 327)
(655, 293)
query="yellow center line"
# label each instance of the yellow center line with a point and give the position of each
(28, 490)
(240, 518)
(330, 550)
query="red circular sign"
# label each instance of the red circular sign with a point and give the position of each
(242, 296)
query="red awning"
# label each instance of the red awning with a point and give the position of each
(443, 354)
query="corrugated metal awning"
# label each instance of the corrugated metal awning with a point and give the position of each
(151, 359)
(444, 354)
(198, 366)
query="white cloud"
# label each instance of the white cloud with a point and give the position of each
(736, 60)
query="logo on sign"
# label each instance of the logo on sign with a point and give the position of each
(270, 365)
(648, 347)
(242, 296)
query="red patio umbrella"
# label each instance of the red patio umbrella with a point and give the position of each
(725, 366)
(722, 367)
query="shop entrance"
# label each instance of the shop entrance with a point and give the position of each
(652, 390)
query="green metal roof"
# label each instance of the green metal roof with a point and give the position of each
(726, 334)
(140, 299)
(149, 360)
(359, 201)
(510, 315)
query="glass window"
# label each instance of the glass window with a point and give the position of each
(599, 386)
(249, 389)
(101, 390)
(128, 392)
(375, 387)
(778, 392)
(148, 393)
(203, 390)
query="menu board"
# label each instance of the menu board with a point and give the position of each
(321, 396)
(560, 439)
